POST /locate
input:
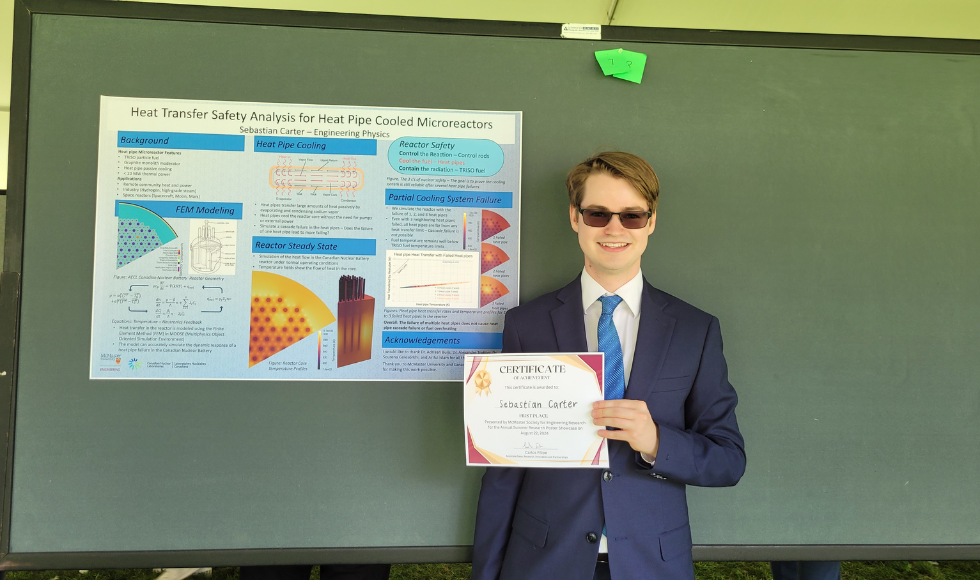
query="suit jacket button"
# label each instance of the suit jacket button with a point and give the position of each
(591, 537)
(607, 476)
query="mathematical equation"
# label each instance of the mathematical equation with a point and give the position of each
(164, 299)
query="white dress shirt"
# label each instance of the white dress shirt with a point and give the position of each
(626, 319)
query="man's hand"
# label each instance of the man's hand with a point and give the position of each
(633, 421)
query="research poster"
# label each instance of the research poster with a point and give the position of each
(284, 241)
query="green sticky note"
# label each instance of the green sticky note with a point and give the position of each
(636, 61)
(612, 61)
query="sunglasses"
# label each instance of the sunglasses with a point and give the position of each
(631, 220)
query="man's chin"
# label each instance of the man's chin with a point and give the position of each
(613, 267)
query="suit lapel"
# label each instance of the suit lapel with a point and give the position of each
(652, 340)
(569, 319)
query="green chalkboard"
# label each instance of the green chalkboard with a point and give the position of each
(822, 203)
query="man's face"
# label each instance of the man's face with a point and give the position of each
(612, 253)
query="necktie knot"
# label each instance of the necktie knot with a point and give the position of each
(609, 303)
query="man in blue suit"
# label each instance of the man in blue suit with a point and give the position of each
(674, 426)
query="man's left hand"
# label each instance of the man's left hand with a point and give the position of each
(633, 421)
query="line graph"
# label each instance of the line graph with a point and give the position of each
(440, 284)
(421, 279)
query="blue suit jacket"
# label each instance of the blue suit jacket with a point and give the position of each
(535, 523)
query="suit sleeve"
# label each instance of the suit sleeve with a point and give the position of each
(709, 451)
(498, 498)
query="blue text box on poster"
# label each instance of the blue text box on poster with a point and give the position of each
(450, 340)
(448, 198)
(329, 246)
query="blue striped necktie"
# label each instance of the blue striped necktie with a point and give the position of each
(615, 377)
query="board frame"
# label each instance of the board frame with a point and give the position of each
(10, 278)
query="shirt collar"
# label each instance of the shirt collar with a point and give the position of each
(631, 292)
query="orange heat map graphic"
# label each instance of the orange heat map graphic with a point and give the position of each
(490, 290)
(283, 312)
(490, 257)
(491, 224)
(355, 321)
(355, 327)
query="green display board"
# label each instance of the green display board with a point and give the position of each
(822, 203)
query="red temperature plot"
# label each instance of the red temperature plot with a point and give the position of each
(490, 290)
(491, 224)
(355, 321)
(490, 257)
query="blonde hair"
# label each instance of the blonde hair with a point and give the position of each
(627, 166)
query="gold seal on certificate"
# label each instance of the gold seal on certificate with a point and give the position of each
(533, 410)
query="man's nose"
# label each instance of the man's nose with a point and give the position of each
(615, 223)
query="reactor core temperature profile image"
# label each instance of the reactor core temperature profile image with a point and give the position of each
(355, 322)
(283, 313)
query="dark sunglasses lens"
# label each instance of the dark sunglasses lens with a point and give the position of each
(596, 219)
(633, 221)
(599, 219)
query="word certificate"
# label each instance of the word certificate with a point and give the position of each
(533, 410)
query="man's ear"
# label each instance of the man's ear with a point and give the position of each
(573, 217)
(653, 223)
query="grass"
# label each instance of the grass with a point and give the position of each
(899, 570)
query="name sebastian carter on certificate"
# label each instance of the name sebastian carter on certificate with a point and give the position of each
(533, 410)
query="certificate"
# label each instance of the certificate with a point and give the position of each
(533, 410)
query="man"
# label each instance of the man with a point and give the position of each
(674, 427)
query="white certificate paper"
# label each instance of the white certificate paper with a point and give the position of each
(533, 410)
